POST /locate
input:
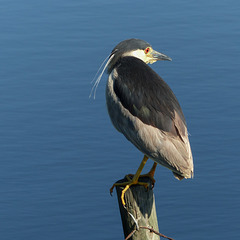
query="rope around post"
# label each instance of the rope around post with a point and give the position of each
(142, 227)
(151, 230)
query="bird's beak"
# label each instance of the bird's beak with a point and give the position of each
(159, 56)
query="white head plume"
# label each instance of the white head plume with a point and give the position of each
(94, 88)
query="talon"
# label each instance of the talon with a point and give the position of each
(133, 179)
(127, 186)
(111, 189)
(129, 177)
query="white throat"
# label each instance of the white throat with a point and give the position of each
(138, 54)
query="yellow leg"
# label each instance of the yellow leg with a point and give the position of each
(150, 174)
(132, 181)
(153, 169)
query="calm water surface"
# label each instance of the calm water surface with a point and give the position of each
(59, 153)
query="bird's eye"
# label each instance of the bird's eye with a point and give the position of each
(147, 50)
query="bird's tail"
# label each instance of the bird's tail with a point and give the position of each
(177, 176)
(180, 177)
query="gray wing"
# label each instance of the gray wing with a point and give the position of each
(145, 94)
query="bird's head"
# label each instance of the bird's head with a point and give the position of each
(131, 47)
(136, 48)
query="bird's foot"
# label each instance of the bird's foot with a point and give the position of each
(131, 181)
(150, 174)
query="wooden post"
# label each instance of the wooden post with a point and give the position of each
(140, 203)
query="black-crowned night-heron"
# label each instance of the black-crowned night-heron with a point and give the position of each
(145, 110)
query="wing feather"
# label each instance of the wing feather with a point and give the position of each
(148, 97)
(156, 125)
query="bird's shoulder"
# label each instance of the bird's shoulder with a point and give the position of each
(147, 96)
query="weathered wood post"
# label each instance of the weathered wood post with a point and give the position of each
(139, 211)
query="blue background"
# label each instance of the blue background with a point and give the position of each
(59, 153)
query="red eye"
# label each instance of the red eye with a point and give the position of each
(147, 50)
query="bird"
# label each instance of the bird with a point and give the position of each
(145, 110)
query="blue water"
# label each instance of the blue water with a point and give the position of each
(59, 153)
